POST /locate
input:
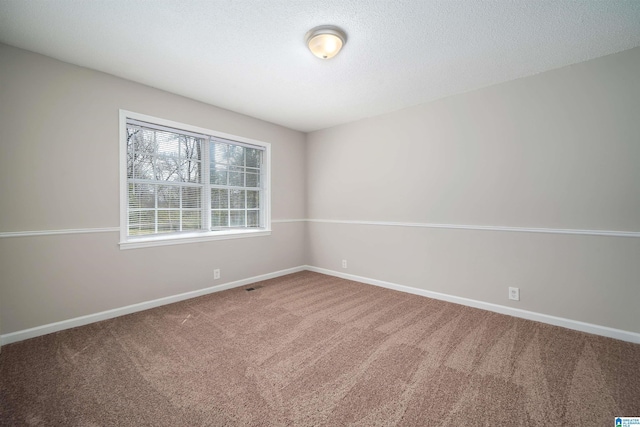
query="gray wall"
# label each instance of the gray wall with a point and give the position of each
(59, 170)
(558, 150)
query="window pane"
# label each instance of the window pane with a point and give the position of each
(142, 222)
(253, 157)
(253, 218)
(190, 171)
(219, 153)
(236, 155)
(131, 138)
(142, 196)
(168, 196)
(253, 199)
(191, 198)
(237, 219)
(141, 166)
(191, 220)
(140, 141)
(167, 143)
(190, 148)
(219, 219)
(237, 199)
(167, 169)
(219, 175)
(219, 198)
(253, 180)
(168, 221)
(236, 179)
(130, 160)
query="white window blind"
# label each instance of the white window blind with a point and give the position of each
(181, 181)
(164, 172)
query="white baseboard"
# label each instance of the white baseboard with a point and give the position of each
(109, 314)
(524, 314)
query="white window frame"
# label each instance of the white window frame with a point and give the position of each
(133, 242)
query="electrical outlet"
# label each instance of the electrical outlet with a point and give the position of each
(514, 293)
(344, 263)
(216, 273)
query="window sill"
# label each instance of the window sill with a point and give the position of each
(150, 241)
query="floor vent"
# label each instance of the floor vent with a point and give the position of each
(253, 289)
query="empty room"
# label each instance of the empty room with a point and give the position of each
(319, 213)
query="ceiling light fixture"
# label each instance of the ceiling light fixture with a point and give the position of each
(325, 41)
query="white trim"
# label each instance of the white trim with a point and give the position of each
(610, 233)
(576, 325)
(56, 232)
(524, 314)
(97, 230)
(188, 127)
(109, 314)
(122, 161)
(180, 239)
(265, 183)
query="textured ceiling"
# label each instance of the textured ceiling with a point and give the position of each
(249, 56)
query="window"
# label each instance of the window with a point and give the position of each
(180, 183)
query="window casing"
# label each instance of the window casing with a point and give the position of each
(181, 183)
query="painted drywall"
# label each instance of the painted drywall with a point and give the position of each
(558, 150)
(59, 170)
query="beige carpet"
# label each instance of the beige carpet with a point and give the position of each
(313, 350)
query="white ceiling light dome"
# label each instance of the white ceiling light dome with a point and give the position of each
(325, 41)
